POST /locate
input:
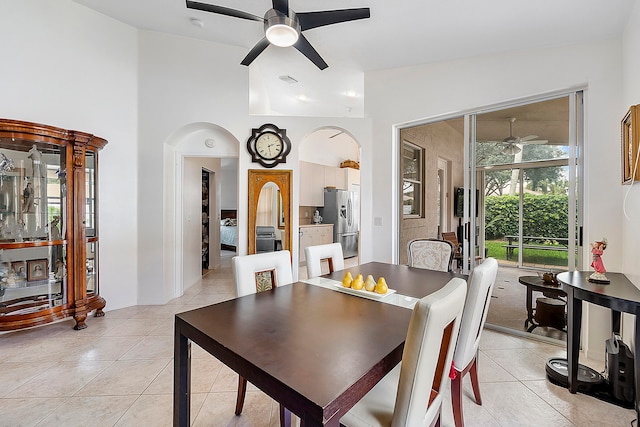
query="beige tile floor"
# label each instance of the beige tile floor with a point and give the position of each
(118, 372)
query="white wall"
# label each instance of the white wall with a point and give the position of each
(631, 96)
(322, 149)
(631, 194)
(403, 95)
(183, 82)
(65, 65)
(229, 188)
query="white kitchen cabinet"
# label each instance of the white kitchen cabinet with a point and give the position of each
(352, 178)
(315, 177)
(335, 177)
(312, 183)
(312, 235)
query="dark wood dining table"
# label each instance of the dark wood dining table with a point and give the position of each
(313, 349)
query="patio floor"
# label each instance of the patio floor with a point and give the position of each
(508, 304)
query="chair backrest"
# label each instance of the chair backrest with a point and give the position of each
(427, 354)
(255, 273)
(450, 236)
(475, 311)
(431, 254)
(315, 254)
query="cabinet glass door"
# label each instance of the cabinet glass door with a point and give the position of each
(32, 226)
(91, 224)
(90, 194)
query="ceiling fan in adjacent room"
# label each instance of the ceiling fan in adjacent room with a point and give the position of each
(283, 27)
(512, 142)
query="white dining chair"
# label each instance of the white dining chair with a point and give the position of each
(474, 315)
(314, 256)
(410, 395)
(430, 254)
(257, 273)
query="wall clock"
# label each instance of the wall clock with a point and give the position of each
(268, 145)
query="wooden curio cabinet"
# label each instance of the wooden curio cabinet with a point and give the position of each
(48, 225)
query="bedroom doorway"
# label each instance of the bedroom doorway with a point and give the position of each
(228, 216)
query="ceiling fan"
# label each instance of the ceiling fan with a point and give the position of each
(511, 142)
(283, 27)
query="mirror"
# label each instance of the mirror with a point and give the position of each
(269, 208)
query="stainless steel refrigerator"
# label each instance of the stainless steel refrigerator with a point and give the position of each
(342, 209)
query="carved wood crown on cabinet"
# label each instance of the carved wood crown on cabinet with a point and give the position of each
(48, 225)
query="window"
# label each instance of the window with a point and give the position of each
(412, 180)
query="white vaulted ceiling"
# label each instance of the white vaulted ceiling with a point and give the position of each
(398, 34)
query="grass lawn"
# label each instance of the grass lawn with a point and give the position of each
(496, 250)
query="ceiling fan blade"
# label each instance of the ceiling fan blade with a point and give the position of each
(307, 50)
(223, 11)
(528, 138)
(310, 20)
(536, 141)
(281, 6)
(255, 51)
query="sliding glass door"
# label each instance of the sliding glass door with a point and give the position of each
(528, 181)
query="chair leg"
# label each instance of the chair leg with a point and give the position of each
(285, 417)
(456, 399)
(242, 391)
(474, 380)
(438, 421)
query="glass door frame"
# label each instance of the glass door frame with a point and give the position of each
(575, 192)
(576, 169)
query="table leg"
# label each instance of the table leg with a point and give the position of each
(181, 380)
(574, 308)
(636, 364)
(615, 322)
(530, 310)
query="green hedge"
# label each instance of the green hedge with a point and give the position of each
(545, 215)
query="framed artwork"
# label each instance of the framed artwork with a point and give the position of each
(20, 269)
(37, 269)
(630, 139)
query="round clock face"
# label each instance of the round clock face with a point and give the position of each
(269, 145)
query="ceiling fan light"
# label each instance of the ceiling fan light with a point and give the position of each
(282, 35)
(511, 150)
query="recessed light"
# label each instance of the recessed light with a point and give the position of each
(352, 94)
(196, 22)
(303, 97)
(210, 142)
(288, 79)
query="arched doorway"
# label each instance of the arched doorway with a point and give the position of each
(187, 151)
(329, 160)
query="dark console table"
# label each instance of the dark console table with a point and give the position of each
(620, 296)
(550, 290)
